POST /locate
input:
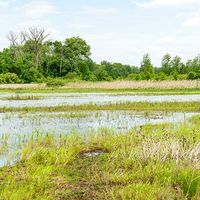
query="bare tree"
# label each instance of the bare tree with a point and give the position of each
(13, 38)
(36, 36)
(16, 41)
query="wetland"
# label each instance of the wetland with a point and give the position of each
(87, 145)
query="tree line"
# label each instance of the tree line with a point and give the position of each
(31, 57)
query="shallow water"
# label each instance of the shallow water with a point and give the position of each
(19, 127)
(86, 98)
(15, 123)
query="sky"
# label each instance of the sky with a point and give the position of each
(117, 30)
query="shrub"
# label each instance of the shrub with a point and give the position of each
(160, 76)
(174, 75)
(73, 76)
(55, 83)
(192, 76)
(9, 78)
(133, 76)
(92, 77)
(31, 75)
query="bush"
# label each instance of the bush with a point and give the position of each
(9, 78)
(73, 76)
(92, 77)
(160, 76)
(31, 75)
(192, 76)
(174, 75)
(55, 83)
(133, 76)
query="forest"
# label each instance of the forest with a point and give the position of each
(32, 57)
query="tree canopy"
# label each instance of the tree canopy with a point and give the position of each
(31, 57)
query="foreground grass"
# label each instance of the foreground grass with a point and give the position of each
(155, 162)
(136, 106)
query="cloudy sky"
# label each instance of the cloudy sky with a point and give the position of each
(117, 30)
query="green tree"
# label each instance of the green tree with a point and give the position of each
(75, 50)
(146, 67)
(166, 64)
(176, 64)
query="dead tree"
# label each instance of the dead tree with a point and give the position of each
(37, 37)
(16, 41)
(13, 38)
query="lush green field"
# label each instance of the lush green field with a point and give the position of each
(155, 162)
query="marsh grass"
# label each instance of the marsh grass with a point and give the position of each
(195, 119)
(147, 87)
(167, 84)
(137, 85)
(4, 144)
(153, 162)
(136, 106)
(69, 115)
(22, 98)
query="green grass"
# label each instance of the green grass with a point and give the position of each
(136, 106)
(99, 90)
(155, 162)
(195, 119)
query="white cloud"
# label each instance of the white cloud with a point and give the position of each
(38, 9)
(158, 3)
(96, 11)
(5, 2)
(166, 40)
(193, 21)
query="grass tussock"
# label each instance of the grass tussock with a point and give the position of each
(154, 162)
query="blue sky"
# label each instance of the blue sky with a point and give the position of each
(117, 30)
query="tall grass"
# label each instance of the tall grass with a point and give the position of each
(116, 85)
(183, 84)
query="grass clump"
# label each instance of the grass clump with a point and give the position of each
(154, 162)
(195, 119)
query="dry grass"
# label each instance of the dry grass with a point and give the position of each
(22, 86)
(183, 84)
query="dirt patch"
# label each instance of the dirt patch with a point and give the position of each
(92, 152)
